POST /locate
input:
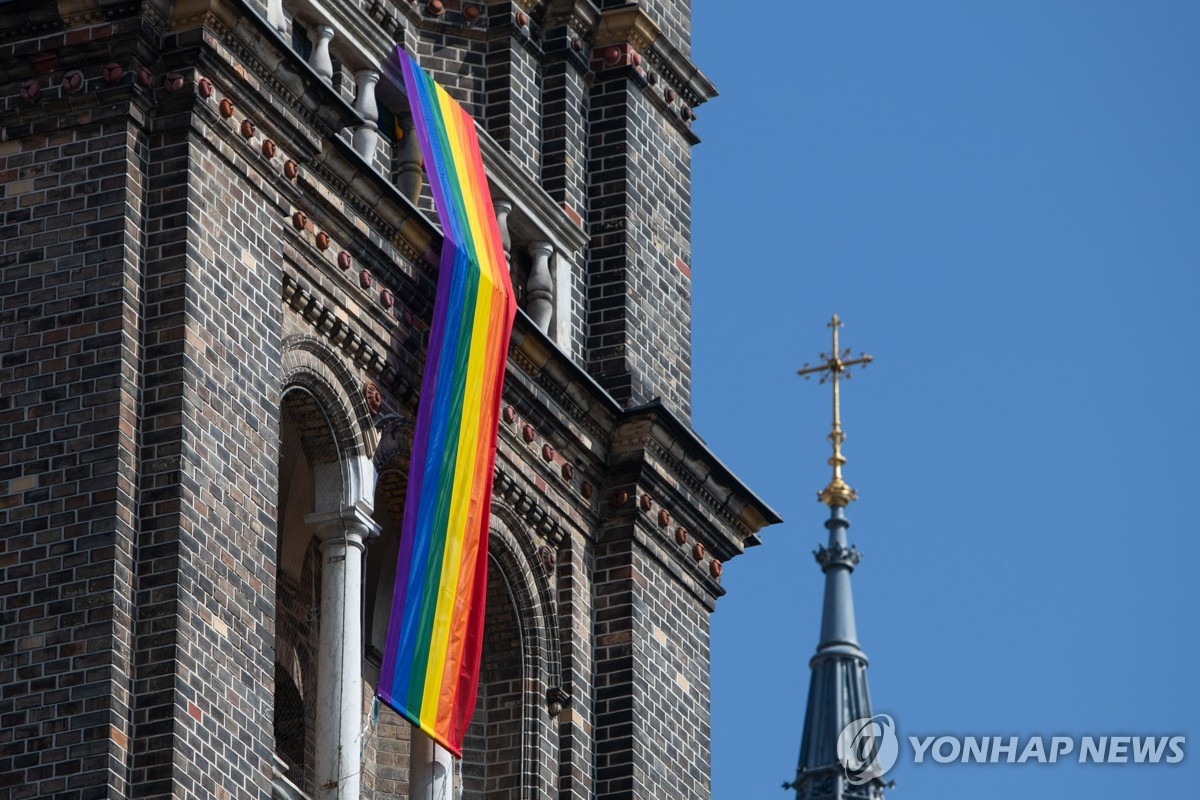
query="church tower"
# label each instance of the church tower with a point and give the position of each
(218, 274)
(838, 695)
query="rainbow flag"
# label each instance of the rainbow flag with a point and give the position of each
(435, 632)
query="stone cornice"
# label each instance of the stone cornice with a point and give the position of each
(687, 572)
(553, 371)
(260, 49)
(581, 16)
(335, 184)
(628, 24)
(331, 325)
(680, 72)
(655, 429)
(652, 428)
(377, 201)
(632, 25)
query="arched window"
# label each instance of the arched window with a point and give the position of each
(492, 748)
(305, 439)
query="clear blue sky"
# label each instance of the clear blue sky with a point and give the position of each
(1002, 200)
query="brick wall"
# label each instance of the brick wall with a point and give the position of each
(459, 64)
(491, 766)
(565, 116)
(204, 653)
(513, 110)
(652, 671)
(672, 711)
(69, 348)
(639, 287)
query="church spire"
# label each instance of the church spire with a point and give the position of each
(838, 693)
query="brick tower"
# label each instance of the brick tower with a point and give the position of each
(217, 268)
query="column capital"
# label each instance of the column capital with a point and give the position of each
(354, 523)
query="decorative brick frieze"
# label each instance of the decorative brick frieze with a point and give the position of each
(325, 320)
(631, 511)
(570, 387)
(526, 506)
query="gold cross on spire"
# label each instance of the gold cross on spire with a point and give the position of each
(836, 365)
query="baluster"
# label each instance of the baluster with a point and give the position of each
(366, 136)
(320, 60)
(410, 171)
(539, 291)
(503, 208)
(275, 16)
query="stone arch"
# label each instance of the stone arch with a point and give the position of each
(311, 365)
(326, 434)
(512, 726)
(520, 555)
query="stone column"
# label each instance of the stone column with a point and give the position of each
(431, 771)
(366, 136)
(319, 59)
(539, 291)
(342, 535)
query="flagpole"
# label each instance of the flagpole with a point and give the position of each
(431, 772)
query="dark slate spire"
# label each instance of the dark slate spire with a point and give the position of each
(838, 693)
